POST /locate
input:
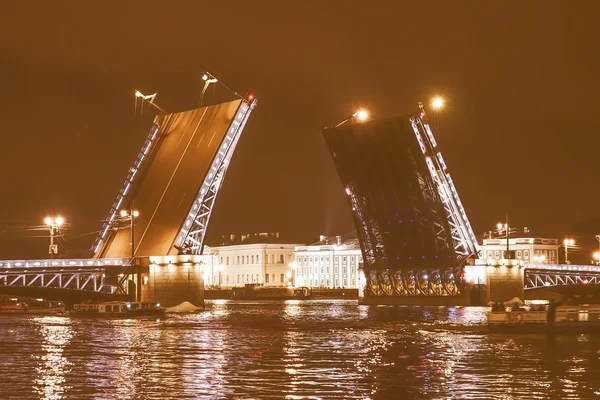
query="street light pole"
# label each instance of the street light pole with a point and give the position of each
(53, 225)
(132, 231)
(568, 242)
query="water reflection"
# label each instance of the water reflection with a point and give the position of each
(52, 365)
(293, 349)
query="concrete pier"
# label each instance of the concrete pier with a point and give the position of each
(171, 280)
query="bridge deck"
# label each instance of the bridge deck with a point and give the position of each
(166, 192)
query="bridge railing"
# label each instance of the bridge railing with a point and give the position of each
(65, 263)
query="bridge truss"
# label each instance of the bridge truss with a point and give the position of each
(545, 275)
(74, 274)
(412, 227)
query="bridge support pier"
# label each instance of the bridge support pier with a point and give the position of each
(172, 280)
(503, 279)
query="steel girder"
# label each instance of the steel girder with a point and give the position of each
(413, 282)
(465, 242)
(149, 145)
(190, 239)
(543, 278)
(90, 279)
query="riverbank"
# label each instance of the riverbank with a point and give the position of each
(316, 294)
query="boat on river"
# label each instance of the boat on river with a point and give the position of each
(31, 306)
(118, 309)
(551, 318)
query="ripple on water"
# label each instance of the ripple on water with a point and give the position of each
(294, 350)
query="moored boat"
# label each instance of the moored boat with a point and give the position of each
(31, 306)
(582, 318)
(118, 309)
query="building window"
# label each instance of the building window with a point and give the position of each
(242, 260)
(519, 254)
(238, 260)
(252, 259)
(257, 261)
(281, 259)
(227, 260)
(266, 278)
(238, 278)
(247, 259)
(526, 254)
(490, 254)
(496, 254)
(221, 260)
(281, 277)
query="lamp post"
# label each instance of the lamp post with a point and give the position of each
(360, 116)
(131, 216)
(53, 225)
(567, 243)
(506, 228)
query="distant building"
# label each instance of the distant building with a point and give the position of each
(526, 249)
(234, 265)
(329, 263)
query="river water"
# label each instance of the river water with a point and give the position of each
(294, 350)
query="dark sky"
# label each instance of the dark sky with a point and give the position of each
(520, 133)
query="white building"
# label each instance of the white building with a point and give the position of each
(526, 249)
(329, 263)
(237, 265)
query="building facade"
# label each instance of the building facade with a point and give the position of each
(329, 263)
(526, 249)
(268, 264)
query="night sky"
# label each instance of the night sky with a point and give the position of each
(520, 133)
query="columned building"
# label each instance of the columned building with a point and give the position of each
(526, 249)
(328, 263)
(268, 264)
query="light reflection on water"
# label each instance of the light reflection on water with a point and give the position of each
(294, 350)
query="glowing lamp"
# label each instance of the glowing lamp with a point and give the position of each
(437, 103)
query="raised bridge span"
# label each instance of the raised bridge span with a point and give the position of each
(172, 184)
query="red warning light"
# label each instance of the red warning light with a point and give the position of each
(422, 114)
(250, 97)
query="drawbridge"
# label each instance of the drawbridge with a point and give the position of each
(412, 227)
(174, 182)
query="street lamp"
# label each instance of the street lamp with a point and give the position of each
(567, 243)
(361, 115)
(437, 103)
(597, 257)
(506, 228)
(131, 217)
(53, 225)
